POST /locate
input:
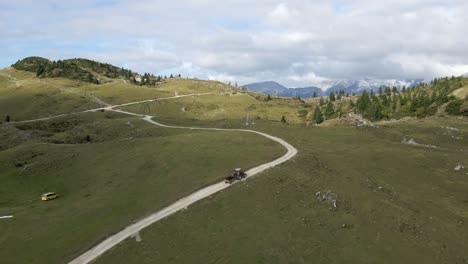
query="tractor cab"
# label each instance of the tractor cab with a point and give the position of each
(238, 174)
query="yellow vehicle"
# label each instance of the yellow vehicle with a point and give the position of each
(48, 196)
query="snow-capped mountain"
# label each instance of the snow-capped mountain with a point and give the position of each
(358, 86)
(275, 88)
(328, 86)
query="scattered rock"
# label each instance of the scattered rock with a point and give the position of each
(357, 120)
(450, 128)
(328, 198)
(137, 237)
(413, 142)
(454, 133)
(459, 167)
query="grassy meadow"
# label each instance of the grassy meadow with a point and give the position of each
(109, 170)
(397, 203)
(29, 98)
(221, 107)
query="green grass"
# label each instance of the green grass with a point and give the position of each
(221, 107)
(120, 91)
(397, 204)
(127, 172)
(28, 99)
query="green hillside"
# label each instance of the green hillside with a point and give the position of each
(396, 203)
(76, 69)
(109, 170)
(399, 198)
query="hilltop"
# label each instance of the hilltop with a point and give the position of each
(81, 69)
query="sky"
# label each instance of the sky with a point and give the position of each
(297, 43)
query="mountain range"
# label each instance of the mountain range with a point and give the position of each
(329, 86)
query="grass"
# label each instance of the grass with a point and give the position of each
(129, 170)
(120, 91)
(396, 204)
(28, 98)
(221, 107)
(461, 93)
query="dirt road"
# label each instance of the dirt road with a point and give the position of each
(183, 203)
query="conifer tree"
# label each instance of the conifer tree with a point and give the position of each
(329, 110)
(321, 101)
(318, 116)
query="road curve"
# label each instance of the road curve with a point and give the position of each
(111, 107)
(183, 203)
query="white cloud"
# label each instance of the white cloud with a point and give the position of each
(295, 42)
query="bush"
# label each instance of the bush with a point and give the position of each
(454, 107)
(302, 112)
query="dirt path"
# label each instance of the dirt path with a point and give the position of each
(183, 203)
(63, 89)
(8, 76)
(109, 107)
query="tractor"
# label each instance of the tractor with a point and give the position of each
(238, 175)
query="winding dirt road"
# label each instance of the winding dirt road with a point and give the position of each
(182, 203)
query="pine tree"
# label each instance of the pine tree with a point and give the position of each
(321, 101)
(363, 102)
(377, 111)
(268, 98)
(329, 110)
(388, 91)
(314, 94)
(318, 116)
(332, 97)
(40, 70)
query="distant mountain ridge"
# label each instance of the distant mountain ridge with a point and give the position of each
(275, 88)
(327, 87)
